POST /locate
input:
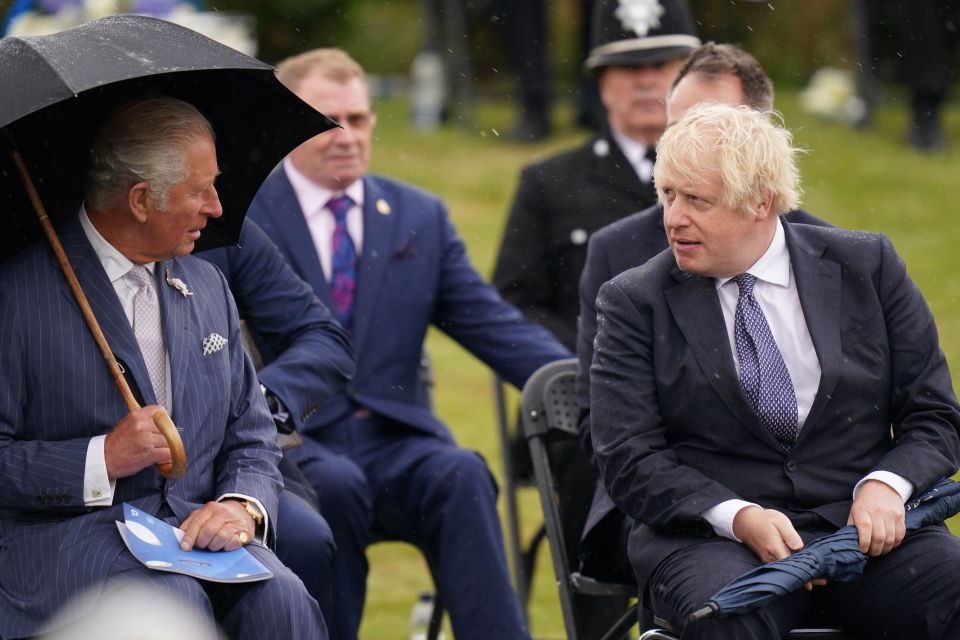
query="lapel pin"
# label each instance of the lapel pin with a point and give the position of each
(383, 207)
(178, 284)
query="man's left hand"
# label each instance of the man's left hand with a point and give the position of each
(218, 526)
(878, 514)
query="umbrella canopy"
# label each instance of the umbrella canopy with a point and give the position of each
(836, 557)
(59, 87)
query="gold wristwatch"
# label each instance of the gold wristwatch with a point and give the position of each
(252, 509)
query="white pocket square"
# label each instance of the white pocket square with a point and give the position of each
(213, 343)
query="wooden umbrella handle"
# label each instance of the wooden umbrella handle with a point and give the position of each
(178, 464)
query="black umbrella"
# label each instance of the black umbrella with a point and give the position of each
(836, 557)
(58, 88)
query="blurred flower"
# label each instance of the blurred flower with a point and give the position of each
(832, 94)
(49, 16)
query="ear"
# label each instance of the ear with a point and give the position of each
(138, 199)
(762, 208)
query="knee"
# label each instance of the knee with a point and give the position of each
(461, 474)
(301, 530)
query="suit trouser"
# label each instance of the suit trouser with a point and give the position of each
(278, 608)
(419, 488)
(913, 593)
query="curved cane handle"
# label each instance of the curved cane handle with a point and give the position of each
(177, 466)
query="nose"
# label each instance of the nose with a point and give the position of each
(212, 207)
(674, 215)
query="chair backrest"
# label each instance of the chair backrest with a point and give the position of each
(549, 417)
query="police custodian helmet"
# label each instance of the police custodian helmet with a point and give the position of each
(632, 33)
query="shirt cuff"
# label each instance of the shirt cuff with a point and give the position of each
(896, 482)
(260, 533)
(721, 517)
(97, 486)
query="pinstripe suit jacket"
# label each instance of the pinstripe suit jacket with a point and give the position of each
(56, 393)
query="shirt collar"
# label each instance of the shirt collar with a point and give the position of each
(114, 263)
(632, 149)
(774, 265)
(314, 197)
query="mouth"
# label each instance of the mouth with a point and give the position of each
(684, 244)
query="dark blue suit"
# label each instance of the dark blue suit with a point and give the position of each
(616, 248)
(379, 444)
(309, 360)
(674, 434)
(56, 393)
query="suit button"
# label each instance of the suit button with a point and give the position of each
(351, 390)
(792, 466)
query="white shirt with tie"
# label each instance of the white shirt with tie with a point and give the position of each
(776, 293)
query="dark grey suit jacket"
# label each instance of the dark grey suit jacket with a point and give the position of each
(674, 434)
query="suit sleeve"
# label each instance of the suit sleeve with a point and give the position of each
(38, 475)
(522, 272)
(923, 406)
(473, 314)
(247, 461)
(639, 469)
(309, 357)
(596, 271)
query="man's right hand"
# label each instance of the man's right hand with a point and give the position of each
(134, 444)
(767, 532)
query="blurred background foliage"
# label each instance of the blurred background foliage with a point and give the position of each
(790, 37)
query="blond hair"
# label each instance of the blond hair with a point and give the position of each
(332, 64)
(753, 156)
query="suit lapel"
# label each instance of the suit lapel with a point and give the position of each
(175, 309)
(379, 222)
(696, 309)
(288, 222)
(614, 169)
(818, 286)
(105, 304)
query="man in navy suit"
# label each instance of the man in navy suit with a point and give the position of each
(385, 258)
(713, 72)
(763, 384)
(70, 451)
(308, 360)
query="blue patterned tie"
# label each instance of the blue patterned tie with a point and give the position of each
(343, 276)
(763, 374)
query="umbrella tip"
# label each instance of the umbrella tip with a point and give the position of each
(706, 611)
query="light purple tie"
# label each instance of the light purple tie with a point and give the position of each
(763, 374)
(148, 329)
(343, 276)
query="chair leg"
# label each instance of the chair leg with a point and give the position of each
(436, 618)
(623, 625)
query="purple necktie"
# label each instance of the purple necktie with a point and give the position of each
(343, 276)
(763, 374)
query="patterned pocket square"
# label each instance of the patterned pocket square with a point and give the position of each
(213, 343)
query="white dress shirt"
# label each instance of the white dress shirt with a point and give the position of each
(776, 293)
(313, 200)
(636, 153)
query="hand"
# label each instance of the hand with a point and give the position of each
(878, 514)
(218, 526)
(134, 444)
(768, 533)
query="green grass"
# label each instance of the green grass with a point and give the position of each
(865, 179)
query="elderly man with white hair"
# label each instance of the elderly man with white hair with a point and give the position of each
(762, 384)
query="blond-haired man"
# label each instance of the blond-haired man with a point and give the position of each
(762, 384)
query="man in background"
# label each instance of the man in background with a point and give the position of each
(385, 258)
(562, 200)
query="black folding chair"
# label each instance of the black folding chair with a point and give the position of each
(550, 415)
